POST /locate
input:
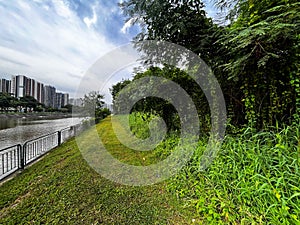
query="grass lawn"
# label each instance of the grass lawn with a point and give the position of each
(62, 189)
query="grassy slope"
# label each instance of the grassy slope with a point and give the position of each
(63, 189)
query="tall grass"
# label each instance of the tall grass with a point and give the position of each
(255, 178)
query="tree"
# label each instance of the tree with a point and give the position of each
(182, 22)
(92, 103)
(4, 101)
(101, 114)
(159, 106)
(115, 89)
(29, 102)
(263, 59)
(255, 57)
(69, 108)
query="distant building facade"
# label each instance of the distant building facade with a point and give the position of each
(76, 101)
(65, 99)
(58, 100)
(5, 86)
(20, 86)
(39, 93)
(50, 96)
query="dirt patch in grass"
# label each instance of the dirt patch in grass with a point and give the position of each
(6, 210)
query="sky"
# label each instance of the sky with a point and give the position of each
(56, 41)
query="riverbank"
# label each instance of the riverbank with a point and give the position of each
(19, 130)
(35, 116)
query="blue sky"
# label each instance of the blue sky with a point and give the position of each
(56, 41)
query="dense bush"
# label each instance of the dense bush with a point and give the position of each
(255, 57)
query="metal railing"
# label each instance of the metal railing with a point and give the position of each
(10, 160)
(35, 148)
(67, 133)
(16, 157)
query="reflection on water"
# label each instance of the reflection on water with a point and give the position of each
(8, 123)
(18, 131)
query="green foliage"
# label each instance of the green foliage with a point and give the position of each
(68, 107)
(7, 101)
(92, 102)
(181, 22)
(28, 103)
(92, 106)
(255, 57)
(115, 89)
(163, 108)
(254, 180)
(263, 60)
(100, 114)
(139, 124)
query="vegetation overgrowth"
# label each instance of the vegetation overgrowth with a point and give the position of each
(254, 179)
(253, 51)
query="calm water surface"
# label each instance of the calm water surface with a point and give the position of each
(17, 131)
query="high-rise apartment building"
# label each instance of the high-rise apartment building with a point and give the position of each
(39, 93)
(76, 101)
(18, 86)
(22, 86)
(5, 86)
(59, 100)
(50, 96)
(65, 99)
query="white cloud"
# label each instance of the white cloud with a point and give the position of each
(91, 21)
(62, 9)
(127, 25)
(24, 5)
(50, 44)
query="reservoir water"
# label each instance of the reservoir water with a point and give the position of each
(19, 130)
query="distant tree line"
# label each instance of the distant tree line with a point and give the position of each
(26, 104)
(93, 106)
